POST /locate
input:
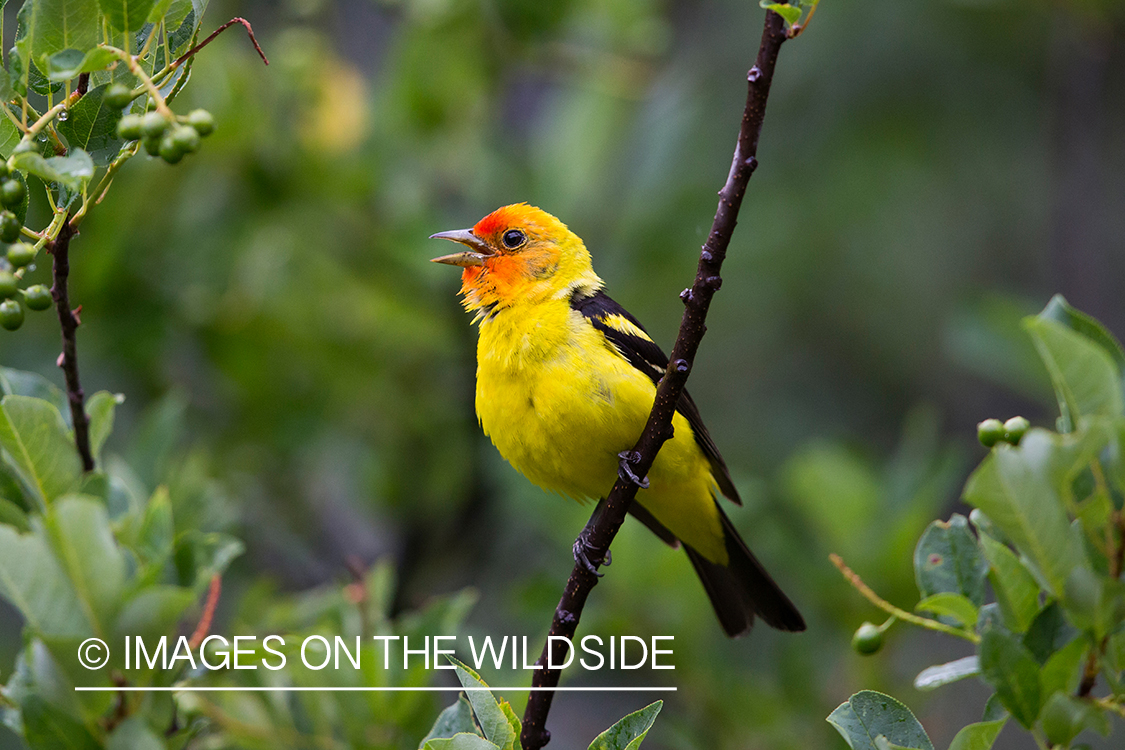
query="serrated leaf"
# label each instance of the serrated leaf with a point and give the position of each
(1049, 631)
(1060, 311)
(1016, 591)
(52, 26)
(630, 731)
(949, 559)
(1013, 488)
(72, 171)
(1061, 670)
(953, 606)
(153, 612)
(126, 15)
(487, 710)
(1011, 669)
(39, 447)
(62, 66)
(979, 736)
(49, 728)
(869, 714)
(943, 674)
(92, 126)
(455, 719)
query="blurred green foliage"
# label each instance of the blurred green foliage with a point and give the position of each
(931, 172)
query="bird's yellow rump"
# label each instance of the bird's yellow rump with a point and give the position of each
(565, 381)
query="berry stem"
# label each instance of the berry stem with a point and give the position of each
(146, 82)
(68, 324)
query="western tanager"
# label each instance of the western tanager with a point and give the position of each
(565, 381)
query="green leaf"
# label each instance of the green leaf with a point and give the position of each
(1011, 669)
(49, 728)
(979, 736)
(52, 26)
(489, 715)
(126, 15)
(100, 408)
(1016, 591)
(13, 515)
(791, 13)
(39, 447)
(21, 383)
(463, 741)
(71, 171)
(453, 720)
(943, 674)
(1094, 602)
(134, 734)
(868, 714)
(1087, 380)
(62, 66)
(1049, 631)
(1064, 716)
(948, 559)
(10, 135)
(1061, 671)
(153, 612)
(1012, 487)
(1060, 311)
(92, 126)
(34, 583)
(83, 542)
(630, 731)
(953, 606)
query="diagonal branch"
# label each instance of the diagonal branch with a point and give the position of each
(68, 360)
(607, 520)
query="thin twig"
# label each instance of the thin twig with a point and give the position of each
(249, 30)
(604, 525)
(853, 578)
(204, 625)
(68, 361)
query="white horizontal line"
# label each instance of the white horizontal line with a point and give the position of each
(292, 689)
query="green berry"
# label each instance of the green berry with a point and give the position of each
(8, 284)
(130, 127)
(37, 297)
(186, 139)
(202, 121)
(1014, 429)
(21, 253)
(11, 314)
(152, 145)
(169, 151)
(868, 639)
(153, 124)
(118, 96)
(990, 432)
(9, 227)
(3, 168)
(12, 192)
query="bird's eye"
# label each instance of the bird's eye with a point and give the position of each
(513, 238)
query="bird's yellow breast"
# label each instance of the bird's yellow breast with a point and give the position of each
(559, 402)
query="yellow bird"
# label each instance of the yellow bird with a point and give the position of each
(565, 381)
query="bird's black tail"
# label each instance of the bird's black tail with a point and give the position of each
(738, 590)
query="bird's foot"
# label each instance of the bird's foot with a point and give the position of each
(586, 555)
(625, 469)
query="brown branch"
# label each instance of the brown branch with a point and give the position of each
(606, 521)
(204, 625)
(249, 30)
(68, 360)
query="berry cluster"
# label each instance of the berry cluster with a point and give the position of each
(170, 138)
(993, 431)
(13, 192)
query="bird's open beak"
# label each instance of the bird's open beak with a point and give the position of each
(475, 256)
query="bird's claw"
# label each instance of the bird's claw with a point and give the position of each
(625, 469)
(585, 554)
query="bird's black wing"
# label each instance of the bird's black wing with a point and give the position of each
(631, 339)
